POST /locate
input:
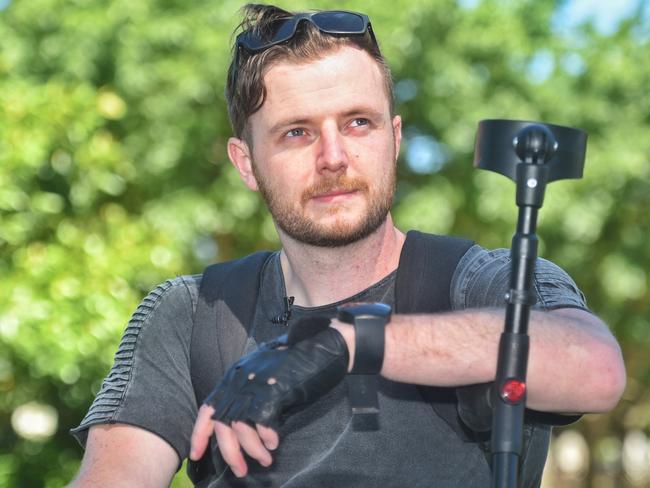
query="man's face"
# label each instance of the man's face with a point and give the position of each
(324, 148)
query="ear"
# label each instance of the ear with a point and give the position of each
(397, 133)
(240, 157)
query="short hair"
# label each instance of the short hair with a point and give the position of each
(247, 93)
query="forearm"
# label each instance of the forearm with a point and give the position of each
(575, 365)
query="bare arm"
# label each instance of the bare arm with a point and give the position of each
(575, 364)
(122, 455)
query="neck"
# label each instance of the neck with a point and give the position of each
(317, 276)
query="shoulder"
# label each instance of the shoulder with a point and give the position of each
(483, 277)
(182, 290)
(173, 297)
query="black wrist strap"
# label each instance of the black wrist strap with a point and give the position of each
(369, 342)
(369, 322)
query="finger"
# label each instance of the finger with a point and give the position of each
(201, 432)
(230, 449)
(251, 443)
(269, 436)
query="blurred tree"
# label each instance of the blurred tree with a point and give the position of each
(113, 177)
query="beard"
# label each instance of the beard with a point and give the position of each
(291, 218)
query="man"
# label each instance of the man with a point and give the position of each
(311, 105)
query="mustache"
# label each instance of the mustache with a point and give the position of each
(338, 183)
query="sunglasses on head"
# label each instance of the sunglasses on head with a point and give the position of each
(335, 22)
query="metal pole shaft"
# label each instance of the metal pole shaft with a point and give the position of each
(512, 364)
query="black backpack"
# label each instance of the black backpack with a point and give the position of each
(228, 295)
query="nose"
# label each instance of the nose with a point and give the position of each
(332, 155)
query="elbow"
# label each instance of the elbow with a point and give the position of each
(608, 379)
(616, 386)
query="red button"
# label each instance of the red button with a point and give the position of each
(513, 391)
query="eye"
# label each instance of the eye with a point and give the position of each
(297, 132)
(359, 122)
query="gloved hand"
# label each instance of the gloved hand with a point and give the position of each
(296, 368)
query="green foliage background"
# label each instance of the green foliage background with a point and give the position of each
(114, 176)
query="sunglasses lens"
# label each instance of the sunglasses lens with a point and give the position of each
(281, 31)
(285, 30)
(249, 41)
(339, 22)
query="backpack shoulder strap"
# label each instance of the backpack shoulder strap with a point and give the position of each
(223, 316)
(426, 267)
(422, 285)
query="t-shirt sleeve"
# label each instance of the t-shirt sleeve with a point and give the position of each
(149, 384)
(482, 279)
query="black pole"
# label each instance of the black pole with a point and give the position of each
(532, 155)
(535, 145)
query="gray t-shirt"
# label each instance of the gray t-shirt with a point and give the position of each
(149, 386)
